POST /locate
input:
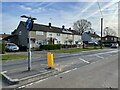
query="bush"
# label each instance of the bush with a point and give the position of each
(2, 47)
(69, 46)
(50, 47)
(22, 48)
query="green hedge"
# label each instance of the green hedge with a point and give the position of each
(50, 47)
(2, 47)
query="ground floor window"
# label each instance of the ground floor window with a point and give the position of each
(40, 42)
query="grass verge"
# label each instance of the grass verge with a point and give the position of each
(6, 57)
(73, 50)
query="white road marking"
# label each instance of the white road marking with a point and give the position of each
(100, 57)
(41, 80)
(66, 71)
(84, 60)
(28, 84)
(22, 86)
(4, 72)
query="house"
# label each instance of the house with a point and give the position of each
(44, 34)
(2, 36)
(88, 37)
(110, 39)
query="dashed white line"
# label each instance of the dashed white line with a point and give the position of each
(28, 84)
(41, 80)
(22, 86)
(100, 57)
(84, 60)
(4, 72)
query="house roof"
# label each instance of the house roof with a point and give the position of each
(46, 28)
(4, 35)
(8, 37)
(109, 36)
(93, 35)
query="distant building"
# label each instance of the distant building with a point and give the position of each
(2, 36)
(90, 37)
(110, 39)
(44, 34)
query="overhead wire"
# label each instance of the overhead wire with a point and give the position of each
(100, 9)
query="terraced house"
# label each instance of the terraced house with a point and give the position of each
(45, 34)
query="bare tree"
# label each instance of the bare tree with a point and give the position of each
(109, 31)
(82, 25)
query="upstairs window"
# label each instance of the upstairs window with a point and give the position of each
(20, 32)
(58, 34)
(39, 33)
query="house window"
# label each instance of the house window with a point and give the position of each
(20, 32)
(39, 33)
(106, 39)
(112, 39)
(65, 42)
(58, 42)
(40, 42)
(58, 34)
(50, 34)
(115, 39)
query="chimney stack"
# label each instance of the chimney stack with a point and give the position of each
(63, 27)
(49, 24)
(70, 28)
(88, 32)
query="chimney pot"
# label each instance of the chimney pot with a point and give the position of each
(70, 28)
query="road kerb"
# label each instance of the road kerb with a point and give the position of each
(8, 79)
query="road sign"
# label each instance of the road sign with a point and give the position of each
(29, 24)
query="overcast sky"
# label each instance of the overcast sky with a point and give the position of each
(59, 13)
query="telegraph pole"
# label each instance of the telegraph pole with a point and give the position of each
(101, 32)
(29, 26)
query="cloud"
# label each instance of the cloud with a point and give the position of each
(25, 7)
(102, 9)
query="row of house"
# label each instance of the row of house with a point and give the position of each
(44, 34)
(48, 34)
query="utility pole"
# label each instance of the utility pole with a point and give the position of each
(101, 32)
(29, 26)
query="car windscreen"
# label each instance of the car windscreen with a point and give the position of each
(11, 45)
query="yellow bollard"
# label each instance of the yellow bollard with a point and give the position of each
(50, 60)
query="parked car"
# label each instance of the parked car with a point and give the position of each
(11, 47)
(115, 45)
(93, 43)
(107, 44)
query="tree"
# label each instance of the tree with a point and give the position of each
(82, 25)
(109, 31)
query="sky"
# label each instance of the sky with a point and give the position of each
(59, 13)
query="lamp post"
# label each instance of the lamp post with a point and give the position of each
(29, 26)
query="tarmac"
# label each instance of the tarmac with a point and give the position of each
(23, 76)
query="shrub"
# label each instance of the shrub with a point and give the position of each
(2, 47)
(50, 47)
(22, 48)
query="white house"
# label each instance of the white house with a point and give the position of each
(43, 34)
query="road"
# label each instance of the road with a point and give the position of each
(86, 69)
(22, 64)
(100, 74)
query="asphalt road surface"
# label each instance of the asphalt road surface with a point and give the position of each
(99, 74)
(89, 69)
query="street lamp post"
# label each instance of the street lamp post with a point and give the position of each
(29, 26)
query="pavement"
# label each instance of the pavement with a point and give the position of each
(63, 63)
